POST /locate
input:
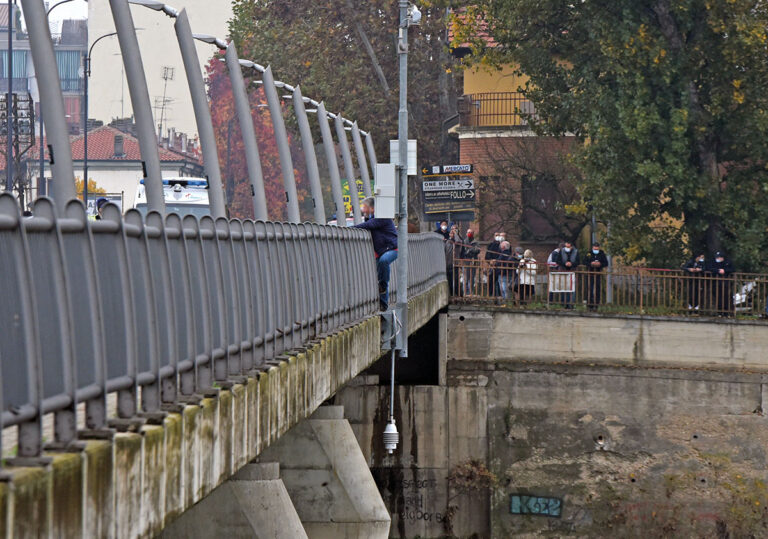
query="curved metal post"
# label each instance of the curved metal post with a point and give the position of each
(202, 113)
(333, 165)
(371, 151)
(51, 102)
(309, 154)
(142, 110)
(244, 118)
(349, 170)
(361, 161)
(283, 149)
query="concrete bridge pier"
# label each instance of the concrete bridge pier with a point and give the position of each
(328, 479)
(253, 503)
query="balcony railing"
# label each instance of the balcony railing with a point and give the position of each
(495, 109)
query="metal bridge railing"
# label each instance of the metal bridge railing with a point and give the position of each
(157, 310)
(630, 290)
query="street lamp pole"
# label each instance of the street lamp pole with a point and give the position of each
(371, 150)
(309, 155)
(283, 148)
(244, 118)
(333, 164)
(51, 100)
(361, 161)
(349, 171)
(41, 184)
(402, 225)
(87, 73)
(199, 101)
(8, 105)
(142, 109)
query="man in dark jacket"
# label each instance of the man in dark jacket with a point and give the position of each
(568, 261)
(596, 262)
(470, 253)
(384, 236)
(694, 270)
(492, 254)
(721, 269)
(452, 252)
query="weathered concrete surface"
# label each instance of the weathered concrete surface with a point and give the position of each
(138, 483)
(639, 427)
(442, 430)
(635, 427)
(626, 340)
(328, 478)
(253, 503)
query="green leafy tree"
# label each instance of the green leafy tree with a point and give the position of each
(669, 99)
(344, 53)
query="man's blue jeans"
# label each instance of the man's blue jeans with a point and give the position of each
(382, 269)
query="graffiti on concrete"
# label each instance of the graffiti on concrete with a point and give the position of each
(525, 504)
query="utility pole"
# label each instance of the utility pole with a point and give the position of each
(8, 101)
(401, 308)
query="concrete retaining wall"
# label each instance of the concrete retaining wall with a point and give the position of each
(630, 426)
(616, 340)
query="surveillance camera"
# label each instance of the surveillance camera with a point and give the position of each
(414, 15)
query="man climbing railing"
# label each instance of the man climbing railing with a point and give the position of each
(160, 310)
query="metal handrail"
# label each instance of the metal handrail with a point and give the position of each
(161, 308)
(620, 289)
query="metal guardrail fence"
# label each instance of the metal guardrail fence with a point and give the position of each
(616, 290)
(161, 309)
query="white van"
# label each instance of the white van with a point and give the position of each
(183, 195)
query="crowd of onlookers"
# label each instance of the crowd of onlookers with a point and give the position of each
(504, 273)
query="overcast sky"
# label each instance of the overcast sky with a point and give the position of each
(77, 9)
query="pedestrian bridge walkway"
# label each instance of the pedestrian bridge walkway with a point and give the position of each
(167, 353)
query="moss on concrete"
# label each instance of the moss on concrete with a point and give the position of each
(30, 502)
(190, 479)
(99, 476)
(253, 432)
(173, 465)
(224, 438)
(153, 477)
(138, 482)
(67, 469)
(128, 485)
(239, 426)
(207, 440)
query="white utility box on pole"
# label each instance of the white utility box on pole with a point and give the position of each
(385, 190)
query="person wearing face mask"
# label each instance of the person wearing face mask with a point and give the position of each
(596, 262)
(470, 253)
(694, 269)
(442, 229)
(492, 254)
(721, 269)
(384, 236)
(452, 252)
(568, 262)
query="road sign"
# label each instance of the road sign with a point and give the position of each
(446, 170)
(449, 195)
(448, 185)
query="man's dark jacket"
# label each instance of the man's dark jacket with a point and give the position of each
(383, 234)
